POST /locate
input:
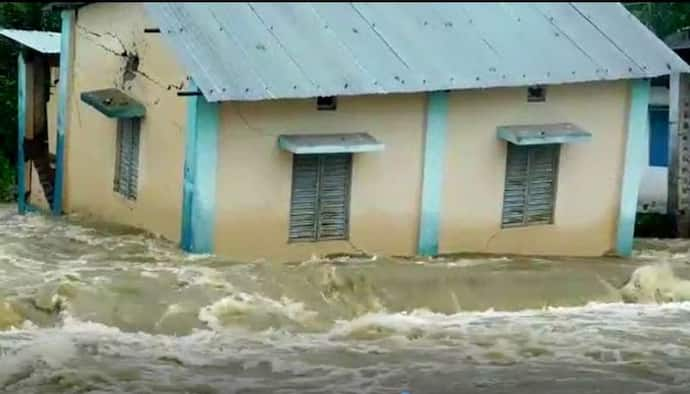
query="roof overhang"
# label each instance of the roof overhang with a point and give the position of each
(114, 103)
(46, 42)
(65, 5)
(329, 143)
(555, 133)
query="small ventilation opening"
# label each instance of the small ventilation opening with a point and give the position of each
(328, 103)
(536, 94)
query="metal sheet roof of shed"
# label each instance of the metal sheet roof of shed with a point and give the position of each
(41, 41)
(257, 51)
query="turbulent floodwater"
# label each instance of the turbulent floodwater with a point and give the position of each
(88, 309)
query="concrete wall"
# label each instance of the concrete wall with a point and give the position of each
(37, 198)
(103, 32)
(255, 176)
(589, 178)
(654, 185)
(653, 196)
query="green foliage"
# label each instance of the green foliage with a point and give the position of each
(662, 18)
(15, 15)
(7, 178)
(653, 225)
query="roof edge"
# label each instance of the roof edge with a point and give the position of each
(70, 5)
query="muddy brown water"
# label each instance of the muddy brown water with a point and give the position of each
(86, 308)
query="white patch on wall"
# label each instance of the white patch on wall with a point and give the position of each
(653, 190)
(658, 96)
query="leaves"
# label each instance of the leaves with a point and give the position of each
(662, 18)
(6, 180)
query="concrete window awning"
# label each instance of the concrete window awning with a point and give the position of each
(556, 133)
(114, 103)
(329, 143)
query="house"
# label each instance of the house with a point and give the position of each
(654, 188)
(285, 130)
(653, 195)
(664, 196)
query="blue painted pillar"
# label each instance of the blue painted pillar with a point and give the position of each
(638, 122)
(21, 133)
(432, 181)
(199, 188)
(66, 49)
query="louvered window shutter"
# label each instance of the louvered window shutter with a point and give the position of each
(127, 159)
(530, 185)
(320, 202)
(304, 205)
(334, 196)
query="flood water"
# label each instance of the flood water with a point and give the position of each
(89, 309)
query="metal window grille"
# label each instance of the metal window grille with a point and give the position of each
(530, 185)
(320, 203)
(127, 158)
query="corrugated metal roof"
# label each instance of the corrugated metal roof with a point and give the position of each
(41, 41)
(256, 51)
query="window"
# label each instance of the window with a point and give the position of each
(127, 157)
(536, 94)
(328, 103)
(320, 203)
(530, 185)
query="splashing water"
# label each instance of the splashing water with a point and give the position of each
(90, 309)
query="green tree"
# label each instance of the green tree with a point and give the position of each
(662, 18)
(26, 16)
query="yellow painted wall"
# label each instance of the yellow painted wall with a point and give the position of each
(589, 177)
(255, 176)
(103, 31)
(37, 197)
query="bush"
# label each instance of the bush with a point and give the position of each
(653, 225)
(7, 185)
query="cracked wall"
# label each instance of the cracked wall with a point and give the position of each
(112, 51)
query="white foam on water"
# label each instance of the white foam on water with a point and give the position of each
(596, 336)
(149, 274)
(204, 277)
(40, 353)
(9, 317)
(656, 284)
(246, 306)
